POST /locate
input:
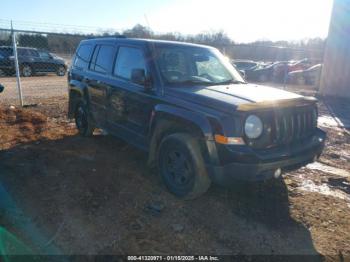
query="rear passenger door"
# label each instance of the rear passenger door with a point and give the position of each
(27, 56)
(130, 106)
(99, 80)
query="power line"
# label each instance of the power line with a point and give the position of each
(53, 27)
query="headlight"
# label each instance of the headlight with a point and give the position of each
(253, 127)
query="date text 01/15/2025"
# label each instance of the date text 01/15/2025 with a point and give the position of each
(173, 258)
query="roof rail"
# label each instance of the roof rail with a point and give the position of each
(106, 36)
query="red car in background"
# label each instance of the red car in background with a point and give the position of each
(310, 76)
(280, 71)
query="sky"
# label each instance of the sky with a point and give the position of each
(242, 20)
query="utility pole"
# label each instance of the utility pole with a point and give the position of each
(18, 78)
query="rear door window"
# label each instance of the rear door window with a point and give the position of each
(82, 57)
(129, 58)
(103, 62)
(33, 53)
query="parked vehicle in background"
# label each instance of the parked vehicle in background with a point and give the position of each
(281, 70)
(31, 61)
(310, 76)
(262, 73)
(244, 64)
(188, 107)
(1, 88)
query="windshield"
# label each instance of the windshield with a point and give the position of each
(183, 65)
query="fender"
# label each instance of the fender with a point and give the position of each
(168, 111)
(77, 86)
(199, 120)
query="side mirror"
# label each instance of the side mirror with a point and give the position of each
(138, 76)
(1, 88)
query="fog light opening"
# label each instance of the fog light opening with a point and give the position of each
(278, 173)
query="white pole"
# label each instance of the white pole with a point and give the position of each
(18, 78)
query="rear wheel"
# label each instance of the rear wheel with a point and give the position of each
(26, 71)
(182, 167)
(83, 120)
(61, 71)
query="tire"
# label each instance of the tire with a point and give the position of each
(83, 119)
(26, 70)
(181, 166)
(61, 71)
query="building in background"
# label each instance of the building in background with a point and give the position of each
(335, 79)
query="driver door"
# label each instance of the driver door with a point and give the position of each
(46, 63)
(129, 104)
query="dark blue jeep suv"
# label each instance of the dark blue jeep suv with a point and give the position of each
(186, 105)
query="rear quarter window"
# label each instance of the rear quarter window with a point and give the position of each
(82, 56)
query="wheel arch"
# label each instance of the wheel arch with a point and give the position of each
(26, 63)
(167, 119)
(77, 90)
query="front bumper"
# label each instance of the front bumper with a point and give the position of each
(267, 161)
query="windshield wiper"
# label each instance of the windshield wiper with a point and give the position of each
(231, 81)
(209, 83)
(195, 82)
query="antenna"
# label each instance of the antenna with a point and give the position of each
(153, 48)
(147, 21)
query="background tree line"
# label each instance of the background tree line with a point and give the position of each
(258, 50)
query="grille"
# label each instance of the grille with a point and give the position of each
(294, 125)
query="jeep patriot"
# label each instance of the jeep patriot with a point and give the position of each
(194, 114)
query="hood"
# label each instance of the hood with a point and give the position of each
(228, 97)
(57, 58)
(60, 59)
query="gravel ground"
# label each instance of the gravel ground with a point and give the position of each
(65, 194)
(35, 89)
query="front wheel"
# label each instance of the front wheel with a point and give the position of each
(182, 167)
(26, 71)
(61, 71)
(83, 120)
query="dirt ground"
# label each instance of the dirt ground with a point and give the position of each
(63, 194)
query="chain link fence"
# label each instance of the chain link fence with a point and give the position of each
(34, 64)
